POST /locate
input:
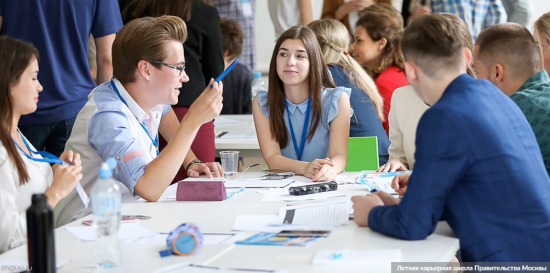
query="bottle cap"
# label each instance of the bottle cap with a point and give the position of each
(257, 75)
(39, 198)
(106, 167)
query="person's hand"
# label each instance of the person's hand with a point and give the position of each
(387, 199)
(362, 205)
(310, 169)
(205, 168)
(400, 182)
(393, 165)
(362, 4)
(64, 179)
(326, 173)
(71, 158)
(208, 105)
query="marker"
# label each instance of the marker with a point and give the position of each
(218, 79)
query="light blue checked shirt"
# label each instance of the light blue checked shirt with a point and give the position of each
(243, 12)
(478, 14)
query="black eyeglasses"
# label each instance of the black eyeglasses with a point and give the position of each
(179, 68)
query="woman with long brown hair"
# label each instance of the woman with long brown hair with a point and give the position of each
(377, 48)
(23, 170)
(303, 121)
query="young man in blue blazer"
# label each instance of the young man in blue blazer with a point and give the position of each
(478, 163)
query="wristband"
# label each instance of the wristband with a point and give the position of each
(194, 161)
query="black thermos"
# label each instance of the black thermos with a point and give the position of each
(40, 238)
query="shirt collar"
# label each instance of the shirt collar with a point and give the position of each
(138, 112)
(535, 80)
(292, 107)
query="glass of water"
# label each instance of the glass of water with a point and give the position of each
(230, 164)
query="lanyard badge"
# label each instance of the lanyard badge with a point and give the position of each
(299, 150)
(52, 159)
(154, 141)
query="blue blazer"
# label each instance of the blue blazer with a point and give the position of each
(479, 167)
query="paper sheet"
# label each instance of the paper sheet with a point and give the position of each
(258, 183)
(246, 134)
(283, 195)
(221, 120)
(209, 238)
(187, 268)
(267, 223)
(129, 231)
(356, 258)
(329, 214)
(23, 265)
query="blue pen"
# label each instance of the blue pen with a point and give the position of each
(218, 79)
(235, 193)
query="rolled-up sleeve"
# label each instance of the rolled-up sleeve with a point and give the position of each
(110, 135)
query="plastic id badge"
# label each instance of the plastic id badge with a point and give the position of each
(82, 194)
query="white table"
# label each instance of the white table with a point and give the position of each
(237, 133)
(219, 217)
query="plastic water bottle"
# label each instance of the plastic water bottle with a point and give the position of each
(257, 84)
(106, 199)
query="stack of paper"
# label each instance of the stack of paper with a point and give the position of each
(319, 214)
(330, 214)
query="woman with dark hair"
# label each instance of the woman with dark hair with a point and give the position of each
(23, 170)
(203, 60)
(407, 109)
(377, 47)
(365, 100)
(304, 101)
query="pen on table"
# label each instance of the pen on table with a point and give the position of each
(235, 193)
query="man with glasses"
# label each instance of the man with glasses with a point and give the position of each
(123, 118)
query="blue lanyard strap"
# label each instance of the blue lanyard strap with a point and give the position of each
(299, 150)
(47, 157)
(156, 140)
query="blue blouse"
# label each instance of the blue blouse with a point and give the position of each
(365, 122)
(317, 148)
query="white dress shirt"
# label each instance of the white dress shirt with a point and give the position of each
(405, 113)
(15, 199)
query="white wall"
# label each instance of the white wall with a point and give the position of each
(540, 7)
(265, 33)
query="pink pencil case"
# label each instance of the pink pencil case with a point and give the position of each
(201, 190)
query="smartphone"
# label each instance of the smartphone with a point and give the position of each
(275, 177)
(278, 172)
(304, 233)
(125, 219)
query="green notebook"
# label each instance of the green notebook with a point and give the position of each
(362, 154)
